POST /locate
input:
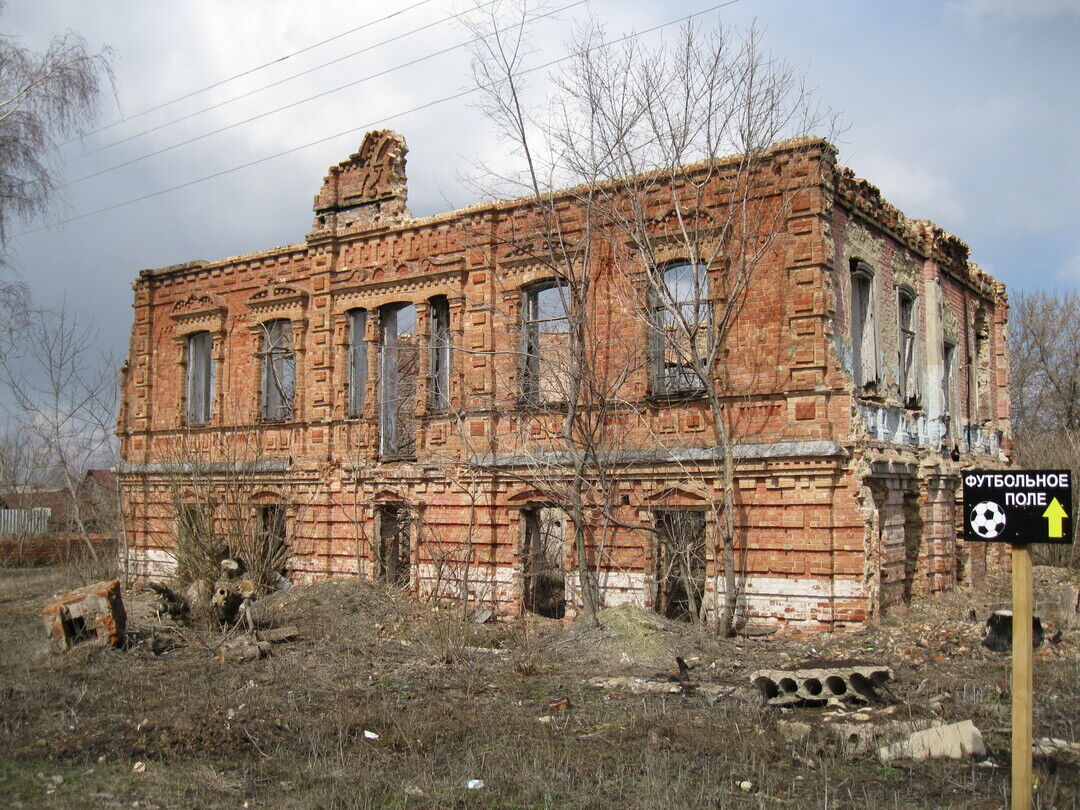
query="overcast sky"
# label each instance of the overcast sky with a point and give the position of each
(963, 112)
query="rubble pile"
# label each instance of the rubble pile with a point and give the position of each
(160, 617)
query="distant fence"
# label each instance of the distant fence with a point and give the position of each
(24, 521)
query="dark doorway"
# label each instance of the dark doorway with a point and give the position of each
(543, 552)
(680, 564)
(913, 531)
(395, 524)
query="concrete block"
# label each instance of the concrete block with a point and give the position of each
(780, 687)
(93, 613)
(954, 741)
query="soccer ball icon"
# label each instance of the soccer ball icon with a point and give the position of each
(987, 520)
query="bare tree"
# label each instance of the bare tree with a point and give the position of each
(64, 396)
(647, 140)
(1044, 377)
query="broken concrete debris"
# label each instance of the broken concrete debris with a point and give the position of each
(955, 741)
(93, 613)
(1058, 750)
(820, 685)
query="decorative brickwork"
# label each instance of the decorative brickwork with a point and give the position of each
(844, 498)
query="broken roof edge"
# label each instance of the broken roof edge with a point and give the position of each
(485, 207)
(922, 235)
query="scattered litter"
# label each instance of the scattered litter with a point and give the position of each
(560, 705)
(483, 616)
(139, 767)
(475, 784)
(370, 735)
(643, 686)
(414, 790)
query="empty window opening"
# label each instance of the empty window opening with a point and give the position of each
(906, 345)
(863, 330)
(357, 362)
(681, 319)
(546, 370)
(395, 550)
(981, 367)
(680, 564)
(399, 368)
(948, 360)
(542, 561)
(439, 384)
(199, 387)
(278, 369)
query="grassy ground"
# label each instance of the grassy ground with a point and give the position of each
(110, 728)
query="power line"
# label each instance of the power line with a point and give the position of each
(284, 80)
(248, 72)
(352, 130)
(304, 100)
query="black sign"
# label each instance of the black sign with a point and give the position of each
(1018, 506)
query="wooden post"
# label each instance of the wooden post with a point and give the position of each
(1021, 678)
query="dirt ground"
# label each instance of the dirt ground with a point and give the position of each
(386, 702)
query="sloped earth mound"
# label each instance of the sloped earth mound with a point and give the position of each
(388, 701)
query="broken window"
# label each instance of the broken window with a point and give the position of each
(680, 564)
(681, 319)
(278, 361)
(399, 367)
(906, 344)
(439, 383)
(981, 367)
(542, 555)
(199, 386)
(948, 358)
(546, 342)
(394, 549)
(863, 334)
(357, 361)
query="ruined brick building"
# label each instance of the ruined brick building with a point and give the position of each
(385, 394)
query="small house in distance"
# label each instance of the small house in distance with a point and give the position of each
(390, 398)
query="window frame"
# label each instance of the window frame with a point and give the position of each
(439, 355)
(864, 327)
(906, 302)
(272, 356)
(660, 303)
(389, 428)
(948, 374)
(531, 371)
(356, 355)
(199, 388)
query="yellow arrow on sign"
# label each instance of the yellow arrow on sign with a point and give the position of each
(1054, 514)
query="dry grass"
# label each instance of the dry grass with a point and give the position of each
(288, 731)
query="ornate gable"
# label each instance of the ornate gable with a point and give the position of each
(199, 312)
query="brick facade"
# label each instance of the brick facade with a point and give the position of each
(844, 484)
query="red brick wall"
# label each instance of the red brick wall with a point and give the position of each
(801, 524)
